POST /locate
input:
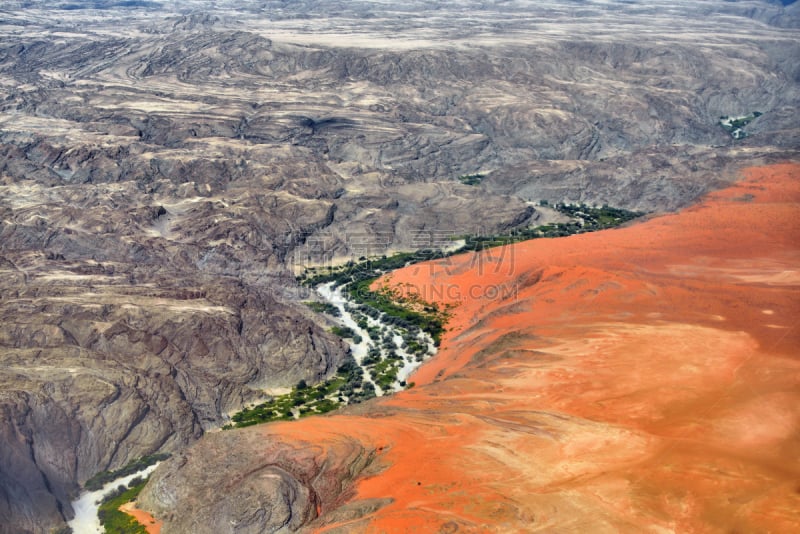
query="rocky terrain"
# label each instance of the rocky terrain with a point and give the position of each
(167, 168)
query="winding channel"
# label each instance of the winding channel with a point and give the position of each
(410, 362)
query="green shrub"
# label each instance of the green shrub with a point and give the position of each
(471, 179)
(344, 332)
(116, 522)
(324, 307)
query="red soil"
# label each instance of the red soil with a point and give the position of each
(150, 523)
(638, 379)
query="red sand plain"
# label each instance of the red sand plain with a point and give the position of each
(643, 379)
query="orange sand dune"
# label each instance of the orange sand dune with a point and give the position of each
(644, 379)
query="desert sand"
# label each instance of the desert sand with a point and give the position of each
(643, 379)
(640, 379)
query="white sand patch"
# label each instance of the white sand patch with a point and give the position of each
(358, 350)
(135, 302)
(68, 276)
(782, 278)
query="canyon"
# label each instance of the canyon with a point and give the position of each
(168, 169)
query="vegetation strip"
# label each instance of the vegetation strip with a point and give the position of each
(584, 219)
(388, 337)
(391, 329)
(103, 477)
